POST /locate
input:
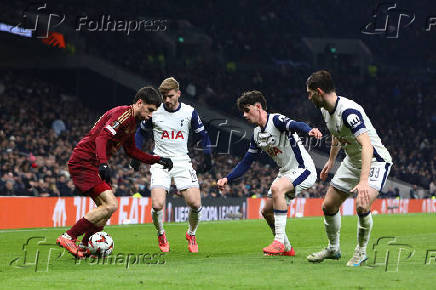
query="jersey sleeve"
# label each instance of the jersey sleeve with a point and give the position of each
(242, 166)
(285, 124)
(145, 125)
(198, 128)
(253, 147)
(353, 119)
(196, 124)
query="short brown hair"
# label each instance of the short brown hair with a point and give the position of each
(149, 96)
(321, 79)
(251, 98)
(168, 84)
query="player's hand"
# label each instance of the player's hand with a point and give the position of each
(222, 183)
(325, 171)
(206, 165)
(105, 173)
(166, 163)
(134, 164)
(362, 194)
(315, 133)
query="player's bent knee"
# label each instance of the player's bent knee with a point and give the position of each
(157, 206)
(329, 209)
(194, 204)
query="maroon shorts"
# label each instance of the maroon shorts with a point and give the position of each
(86, 178)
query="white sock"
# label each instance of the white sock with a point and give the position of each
(364, 227)
(194, 217)
(332, 225)
(288, 245)
(280, 225)
(157, 216)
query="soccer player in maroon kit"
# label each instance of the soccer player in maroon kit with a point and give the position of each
(89, 167)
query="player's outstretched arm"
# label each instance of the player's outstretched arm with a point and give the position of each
(285, 124)
(334, 150)
(131, 150)
(239, 170)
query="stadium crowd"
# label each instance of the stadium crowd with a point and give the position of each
(37, 137)
(36, 140)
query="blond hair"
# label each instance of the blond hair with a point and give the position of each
(168, 84)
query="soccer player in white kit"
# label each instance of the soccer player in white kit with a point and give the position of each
(171, 123)
(364, 169)
(276, 135)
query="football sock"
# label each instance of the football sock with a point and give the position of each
(194, 217)
(364, 227)
(332, 225)
(89, 233)
(287, 243)
(157, 216)
(280, 224)
(81, 226)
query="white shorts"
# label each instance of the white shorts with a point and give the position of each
(182, 172)
(301, 178)
(347, 176)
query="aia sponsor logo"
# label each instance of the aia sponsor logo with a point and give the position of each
(172, 135)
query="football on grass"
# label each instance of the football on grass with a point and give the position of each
(101, 244)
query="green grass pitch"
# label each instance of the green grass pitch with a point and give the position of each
(230, 257)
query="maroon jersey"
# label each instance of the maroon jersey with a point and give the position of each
(114, 129)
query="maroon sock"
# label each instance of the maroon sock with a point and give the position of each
(90, 233)
(82, 226)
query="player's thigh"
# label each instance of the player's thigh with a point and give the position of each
(372, 193)
(301, 179)
(185, 177)
(192, 197)
(160, 178)
(333, 200)
(106, 198)
(281, 185)
(158, 195)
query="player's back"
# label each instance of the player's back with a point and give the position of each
(348, 121)
(283, 147)
(110, 121)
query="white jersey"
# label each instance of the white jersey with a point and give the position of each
(280, 141)
(171, 130)
(348, 121)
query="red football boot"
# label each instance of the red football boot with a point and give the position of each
(276, 248)
(192, 243)
(291, 252)
(66, 242)
(164, 246)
